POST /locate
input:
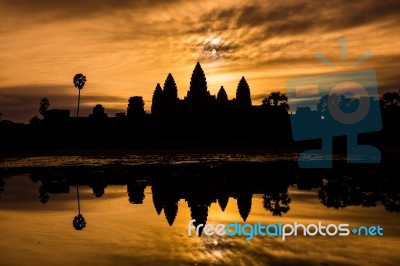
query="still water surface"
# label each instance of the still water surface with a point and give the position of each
(140, 217)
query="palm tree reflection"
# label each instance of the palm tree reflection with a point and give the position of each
(79, 222)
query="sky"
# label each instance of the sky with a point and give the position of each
(125, 48)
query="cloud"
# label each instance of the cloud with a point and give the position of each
(78, 8)
(258, 22)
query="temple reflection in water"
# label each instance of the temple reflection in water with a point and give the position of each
(201, 185)
(131, 215)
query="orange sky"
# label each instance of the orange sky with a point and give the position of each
(126, 47)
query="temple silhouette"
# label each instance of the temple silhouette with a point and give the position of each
(199, 120)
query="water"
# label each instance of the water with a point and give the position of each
(137, 210)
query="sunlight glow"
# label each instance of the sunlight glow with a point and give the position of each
(216, 41)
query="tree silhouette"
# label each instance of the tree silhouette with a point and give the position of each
(34, 120)
(344, 104)
(334, 194)
(79, 82)
(322, 106)
(277, 203)
(243, 93)
(98, 188)
(391, 201)
(276, 99)
(44, 106)
(156, 103)
(98, 111)
(222, 97)
(390, 100)
(79, 222)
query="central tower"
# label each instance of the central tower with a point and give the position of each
(198, 97)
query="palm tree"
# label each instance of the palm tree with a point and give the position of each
(79, 222)
(79, 82)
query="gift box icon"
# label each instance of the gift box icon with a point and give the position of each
(338, 104)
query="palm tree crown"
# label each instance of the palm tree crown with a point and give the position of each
(79, 81)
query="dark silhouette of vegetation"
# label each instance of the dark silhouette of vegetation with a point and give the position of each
(390, 101)
(35, 120)
(392, 202)
(334, 195)
(98, 112)
(43, 106)
(276, 100)
(79, 222)
(277, 203)
(79, 82)
(98, 189)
